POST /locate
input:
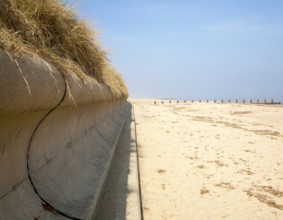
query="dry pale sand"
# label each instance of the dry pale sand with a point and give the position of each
(210, 161)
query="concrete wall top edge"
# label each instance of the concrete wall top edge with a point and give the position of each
(28, 84)
(80, 92)
(32, 84)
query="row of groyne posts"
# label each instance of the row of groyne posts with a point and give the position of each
(244, 101)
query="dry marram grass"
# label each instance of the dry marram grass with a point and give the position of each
(52, 31)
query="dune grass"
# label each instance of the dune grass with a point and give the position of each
(51, 30)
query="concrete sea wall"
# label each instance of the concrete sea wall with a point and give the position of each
(57, 140)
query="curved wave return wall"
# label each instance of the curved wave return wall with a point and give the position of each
(57, 140)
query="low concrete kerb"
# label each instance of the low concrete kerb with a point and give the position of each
(121, 198)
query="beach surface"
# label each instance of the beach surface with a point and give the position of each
(210, 160)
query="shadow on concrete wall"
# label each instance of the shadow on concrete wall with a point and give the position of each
(120, 199)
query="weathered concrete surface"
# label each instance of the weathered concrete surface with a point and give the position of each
(121, 197)
(56, 141)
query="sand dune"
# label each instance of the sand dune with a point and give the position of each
(210, 161)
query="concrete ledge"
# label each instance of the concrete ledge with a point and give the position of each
(121, 195)
(57, 140)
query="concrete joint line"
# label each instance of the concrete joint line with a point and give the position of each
(101, 135)
(13, 188)
(44, 202)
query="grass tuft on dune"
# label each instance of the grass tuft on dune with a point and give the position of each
(52, 31)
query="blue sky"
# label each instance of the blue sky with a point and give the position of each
(215, 49)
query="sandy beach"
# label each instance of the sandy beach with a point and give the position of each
(210, 160)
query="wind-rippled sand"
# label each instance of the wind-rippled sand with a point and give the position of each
(210, 161)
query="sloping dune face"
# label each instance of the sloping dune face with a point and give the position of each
(62, 109)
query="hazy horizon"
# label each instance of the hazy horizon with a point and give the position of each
(193, 49)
